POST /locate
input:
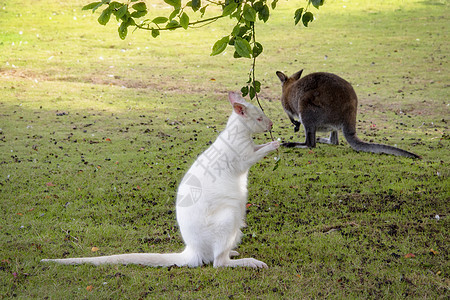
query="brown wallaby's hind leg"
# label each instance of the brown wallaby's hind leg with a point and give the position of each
(334, 139)
(310, 141)
(310, 137)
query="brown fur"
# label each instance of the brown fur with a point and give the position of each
(326, 102)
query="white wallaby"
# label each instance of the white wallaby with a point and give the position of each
(211, 199)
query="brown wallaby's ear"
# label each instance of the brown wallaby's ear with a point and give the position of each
(282, 77)
(240, 109)
(297, 75)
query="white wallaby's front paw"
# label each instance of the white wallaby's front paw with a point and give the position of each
(275, 144)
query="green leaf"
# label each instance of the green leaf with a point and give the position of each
(252, 92)
(196, 4)
(258, 5)
(220, 45)
(104, 17)
(263, 14)
(307, 17)
(174, 13)
(274, 4)
(317, 3)
(123, 30)
(93, 6)
(277, 164)
(298, 15)
(155, 33)
(130, 22)
(184, 20)
(242, 47)
(160, 20)
(172, 25)
(140, 6)
(244, 91)
(121, 11)
(243, 31)
(174, 3)
(203, 10)
(257, 49)
(236, 30)
(249, 13)
(138, 14)
(115, 5)
(237, 13)
(229, 9)
(257, 86)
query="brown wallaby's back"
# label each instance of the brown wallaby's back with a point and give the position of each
(326, 102)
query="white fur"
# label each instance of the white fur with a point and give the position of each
(212, 197)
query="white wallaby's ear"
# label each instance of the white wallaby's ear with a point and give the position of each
(282, 77)
(235, 97)
(240, 109)
(238, 103)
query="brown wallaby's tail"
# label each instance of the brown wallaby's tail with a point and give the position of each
(360, 145)
(185, 258)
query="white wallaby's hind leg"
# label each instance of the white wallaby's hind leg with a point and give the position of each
(231, 237)
(225, 261)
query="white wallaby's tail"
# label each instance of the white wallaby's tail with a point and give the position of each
(185, 258)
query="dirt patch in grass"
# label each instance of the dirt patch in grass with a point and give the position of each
(160, 84)
(423, 107)
(12, 74)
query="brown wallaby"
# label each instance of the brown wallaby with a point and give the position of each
(326, 102)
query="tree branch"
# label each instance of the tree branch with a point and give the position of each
(210, 20)
(215, 3)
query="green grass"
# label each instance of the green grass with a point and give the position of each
(96, 133)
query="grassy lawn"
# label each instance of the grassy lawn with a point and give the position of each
(96, 133)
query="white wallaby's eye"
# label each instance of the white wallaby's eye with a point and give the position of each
(260, 119)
